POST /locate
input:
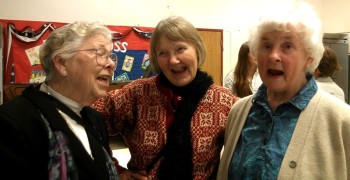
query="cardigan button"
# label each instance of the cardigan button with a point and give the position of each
(292, 164)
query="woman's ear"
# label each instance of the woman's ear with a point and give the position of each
(59, 64)
(317, 73)
(253, 60)
(309, 62)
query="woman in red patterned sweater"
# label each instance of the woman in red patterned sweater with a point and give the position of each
(174, 122)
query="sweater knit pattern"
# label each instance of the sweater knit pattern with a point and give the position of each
(139, 111)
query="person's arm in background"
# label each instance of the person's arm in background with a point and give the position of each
(228, 80)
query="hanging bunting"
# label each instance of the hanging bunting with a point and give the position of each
(145, 34)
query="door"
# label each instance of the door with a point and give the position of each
(212, 39)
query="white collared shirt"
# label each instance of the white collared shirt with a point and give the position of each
(77, 129)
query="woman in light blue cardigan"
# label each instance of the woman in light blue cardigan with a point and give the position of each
(290, 129)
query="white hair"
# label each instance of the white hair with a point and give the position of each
(299, 18)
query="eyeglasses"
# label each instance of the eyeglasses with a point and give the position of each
(102, 56)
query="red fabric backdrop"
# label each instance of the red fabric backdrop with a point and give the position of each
(127, 38)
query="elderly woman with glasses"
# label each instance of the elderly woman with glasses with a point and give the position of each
(50, 132)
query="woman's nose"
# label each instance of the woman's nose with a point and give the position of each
(111, 64)
(275, 55)
(173, 59)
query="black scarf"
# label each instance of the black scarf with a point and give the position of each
(177, 158)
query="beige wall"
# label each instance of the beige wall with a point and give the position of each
(233, 16)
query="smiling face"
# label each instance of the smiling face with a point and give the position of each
(282, 63)
(85, 79)
(177, 60)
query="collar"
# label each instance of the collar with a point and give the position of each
(324, 79)
(300, 100)
(74, 106)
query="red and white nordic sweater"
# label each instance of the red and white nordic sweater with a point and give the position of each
(140, 111)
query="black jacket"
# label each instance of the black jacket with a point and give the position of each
(24, 137)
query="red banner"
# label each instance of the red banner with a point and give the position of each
(22, 40)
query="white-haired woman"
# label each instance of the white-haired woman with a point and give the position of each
(289, 129)
(50, 132)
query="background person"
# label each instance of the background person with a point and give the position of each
(289, 129)
(244, 80)
(174, 122)
(325, 70)
(43, 135)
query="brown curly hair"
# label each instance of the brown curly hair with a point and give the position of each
(329, 63)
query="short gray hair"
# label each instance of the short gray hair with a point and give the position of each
(176, 28)
(66, 39)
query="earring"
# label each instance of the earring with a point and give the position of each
(64, 73)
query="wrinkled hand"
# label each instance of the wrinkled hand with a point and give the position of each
(133, 175)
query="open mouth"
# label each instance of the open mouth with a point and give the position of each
(178, 70)
(275, 72)
(103, 79)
